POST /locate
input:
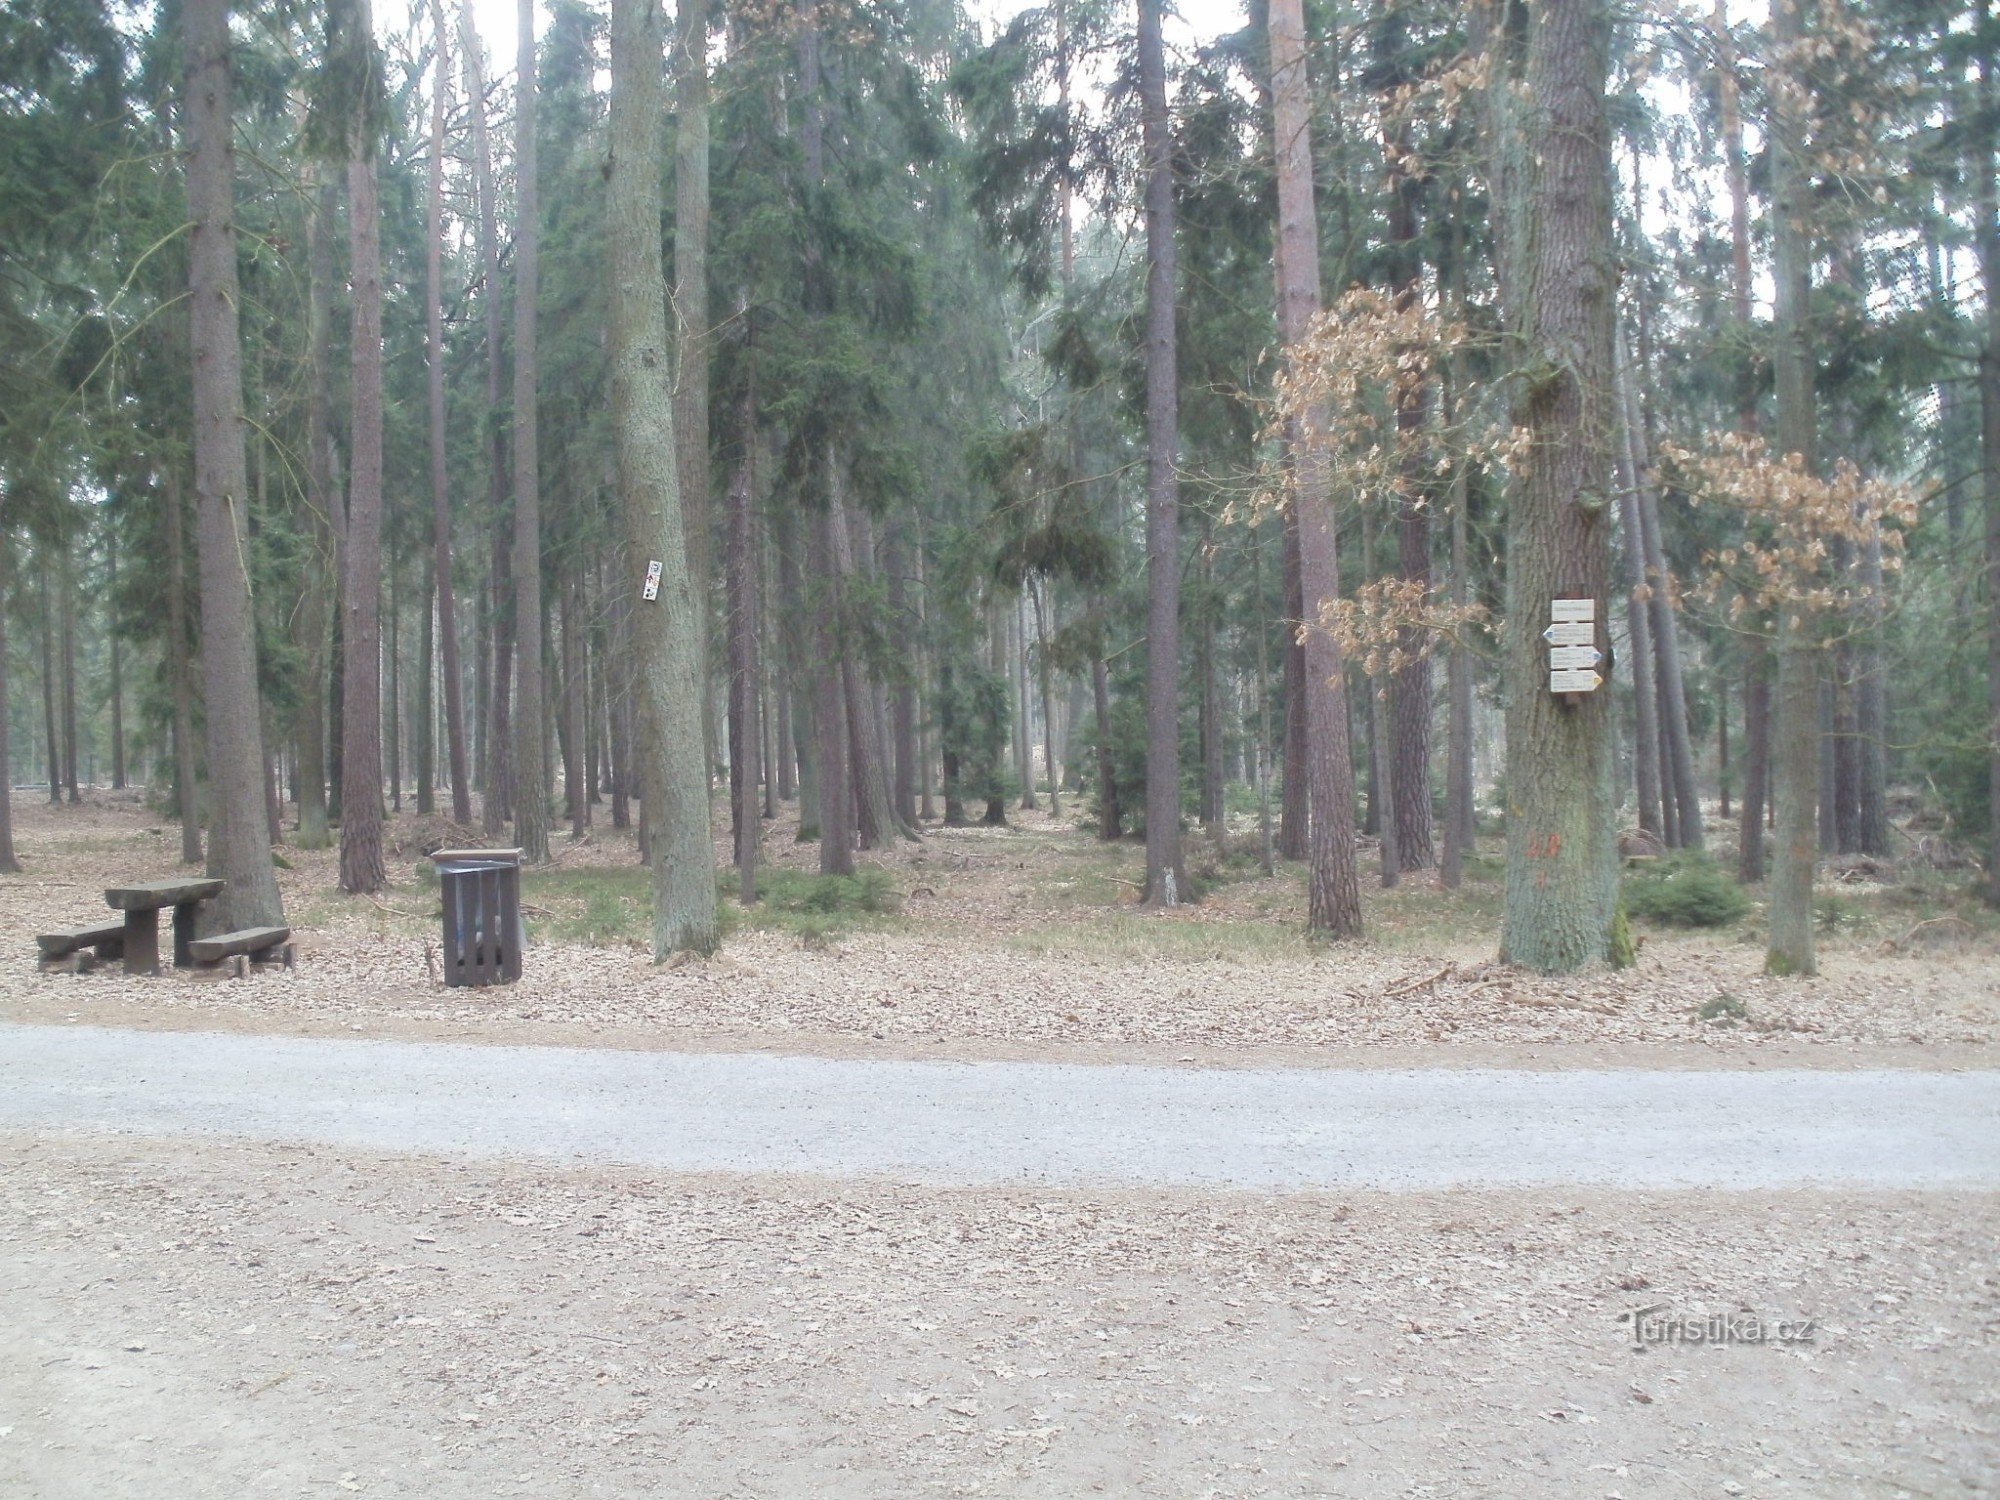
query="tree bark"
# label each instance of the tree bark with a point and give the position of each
(446, 602)
(1552, 174)
(1410, 696)
(745, 731)
(1987, 230)
(1166, 879)
(1737, 174)
(1676, 747)
(1292, 814)
(67, 590)
(1646, 738)
(1756, 763)
(575, 695)
(239, 849)
(9, 864)
(531, 809)
(498, 780)
(903, 702)
(666, 641)
(691, 347)
(423, 713)
(361, 867)
(315, 617)
(1318, 701)
(117, 669)
(180, 674)
(1795, 712)
(1035, 591)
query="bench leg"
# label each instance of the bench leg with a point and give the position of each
(142, 941)
(183, 933)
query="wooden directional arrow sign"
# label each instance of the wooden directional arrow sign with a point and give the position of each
(1567, 658)
(1571, 633)
(1574, 680)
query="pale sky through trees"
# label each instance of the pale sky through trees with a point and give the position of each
(1190, 23)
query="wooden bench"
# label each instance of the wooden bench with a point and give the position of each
(141, 901)
(105, 941)
(260, 945)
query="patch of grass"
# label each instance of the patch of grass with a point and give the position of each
(600, 907)
(1131, 935)
(818, 910)
(1722, 1009)
(1684, 890)
(1419, 916)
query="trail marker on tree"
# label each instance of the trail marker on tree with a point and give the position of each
(652, 589)
(1573, 653)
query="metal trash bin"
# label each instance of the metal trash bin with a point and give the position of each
(483, 935)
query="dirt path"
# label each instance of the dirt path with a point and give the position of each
(212, 1321)
(969, 1123)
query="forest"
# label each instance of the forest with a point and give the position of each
(830, 421)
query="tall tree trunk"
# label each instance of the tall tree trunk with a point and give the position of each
(1318, 701)
(1410, 697)
(531, 772)
(423, 713)
(51, 738)
(1646, 737)
(1209, 687)
(1552, 174)
(117, 671)
(392, 700)
(575, 693)
(239, 848)
(875, 815)
(180, 674)
(1756, 763)
(322, 569)
(1017, 681)
(666, 640)
(361, 867)
(833, 778)
(1166, 879)
(903, 621)
(66, 579)
(1795, 737)
(691, 385)
(1737, 173)
(745, 730)
(1676, 747)
(1293, 795)
(1110, 816)
(498, 781)
(1048, 702)
(1458, 831)
(9, 864)
(1987, 231)
(1382, 766)
(446, 600)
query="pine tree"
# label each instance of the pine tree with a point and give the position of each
(1551, 172)
(239, 845)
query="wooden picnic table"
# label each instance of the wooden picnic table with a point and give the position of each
(141, 901)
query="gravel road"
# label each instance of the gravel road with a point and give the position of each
(971, 1123)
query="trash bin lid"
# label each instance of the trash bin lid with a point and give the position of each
(480, 858)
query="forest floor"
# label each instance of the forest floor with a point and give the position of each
(1024, 942)
(212, 1317)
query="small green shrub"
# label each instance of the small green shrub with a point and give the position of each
(1684, 890)
(1833, 915)
(868, 891)
(1724, 1009)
